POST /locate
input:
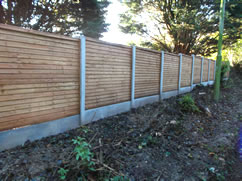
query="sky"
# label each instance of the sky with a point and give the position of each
(114, 34)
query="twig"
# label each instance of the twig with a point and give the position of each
(92, 138)
(109, 168)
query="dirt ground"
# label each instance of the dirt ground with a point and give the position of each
(155, 142)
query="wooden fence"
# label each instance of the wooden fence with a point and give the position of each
(40, 75)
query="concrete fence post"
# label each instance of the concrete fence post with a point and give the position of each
(208, 69)
(180, 70)
(192, 76)
(201, 77)
(82, 77)
(161, 73)
(133, 77)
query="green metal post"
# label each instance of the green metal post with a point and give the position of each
(219, 57)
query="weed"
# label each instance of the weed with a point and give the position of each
(228, 84)
(62, 173)
(147, 141)
(187, 104)
(82, 151)
(117, 178)
(225, 67)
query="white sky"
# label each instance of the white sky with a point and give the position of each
(114, 34)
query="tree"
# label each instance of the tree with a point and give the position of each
(219, 57)
(66, 17)
(181, 26)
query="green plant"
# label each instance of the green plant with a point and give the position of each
(82, 151)
(117, 178)
(145, 141)
(62, 173)
(225, 68)
(187, 104)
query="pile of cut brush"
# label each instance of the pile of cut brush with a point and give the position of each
(189, 137)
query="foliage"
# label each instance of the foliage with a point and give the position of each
(145, 141)
(117, 178)
(187, 104)
(82, 151)
(233, 53)
(62, 173)
(225, 68)
(187, 26)
(67, 17)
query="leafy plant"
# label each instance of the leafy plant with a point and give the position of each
(117, 178)
(187, 104)
(82, 151)
(147, 141)
(225, 68)
(62, 173)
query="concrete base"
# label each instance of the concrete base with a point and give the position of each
(166, 95)
(184, 90)
(105, 111)
(146, 100)
(15, 137)
(211, 82)
(18, 136)
(204, 83)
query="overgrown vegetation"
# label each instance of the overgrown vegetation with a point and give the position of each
(187, 104)
(82, 151)
(225, 68)
(62, 173)
(85, 163)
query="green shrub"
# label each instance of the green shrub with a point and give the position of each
(187, 104)
(237, 64)
(62, 173)
(117, 178)
(82, 151)
(225, 67)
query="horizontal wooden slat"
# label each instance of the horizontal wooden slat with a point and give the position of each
(46, 89)
(27, 55)
(35, 109)
(33, 66)
(36, 100)
(37, 104)
(37, 76)
(4, 48)
(36, 33)
(15, 44)
(21, 37)
(45, 63)
(36, 95)
(37, 119)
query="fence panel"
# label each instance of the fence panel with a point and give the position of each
(39, 77)
(108, 73)
(197, 70)
(147, 73)
(211, 74)
(186, 73)
(170, 72)
(205, 70)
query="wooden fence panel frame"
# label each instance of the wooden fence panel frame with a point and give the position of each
(84, 112)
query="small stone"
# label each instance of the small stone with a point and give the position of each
(221, 159)
(173, 122)
(190, 155)
(212, 169)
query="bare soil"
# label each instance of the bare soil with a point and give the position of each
(154, 142)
